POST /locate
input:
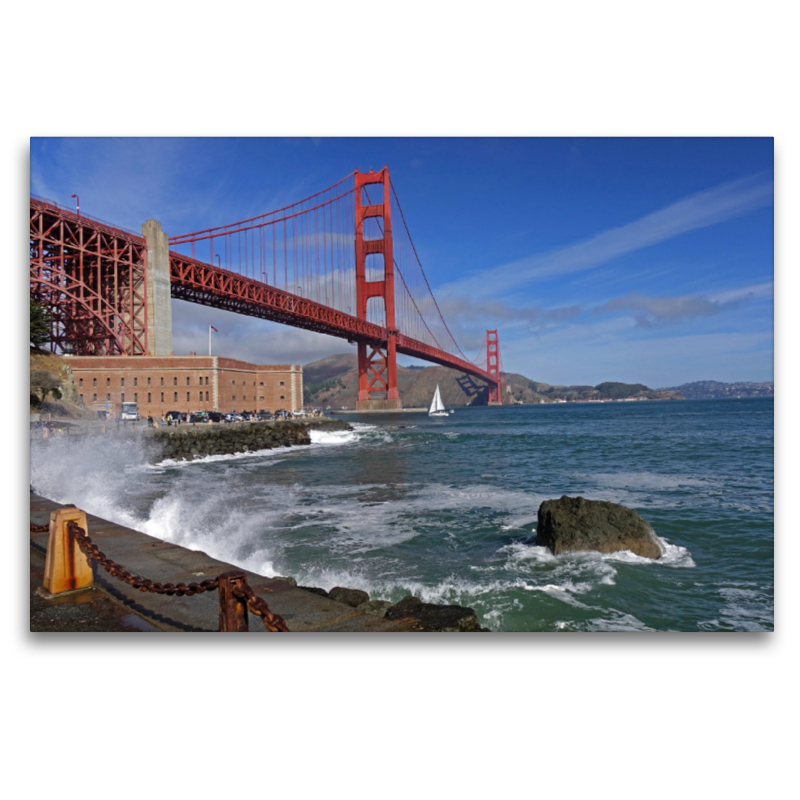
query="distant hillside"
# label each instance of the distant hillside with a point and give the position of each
(333, 382)
(711, 390)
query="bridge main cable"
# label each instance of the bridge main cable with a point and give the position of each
(222, 230)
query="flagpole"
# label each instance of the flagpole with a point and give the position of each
(209, 340)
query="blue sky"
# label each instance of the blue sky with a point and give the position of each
(642, 259)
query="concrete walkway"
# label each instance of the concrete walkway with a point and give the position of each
(114, 605)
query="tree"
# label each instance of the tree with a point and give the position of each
(40, 324)
(44, 383)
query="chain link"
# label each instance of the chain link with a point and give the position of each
(256, 604)
(142, 584)
(272, 622)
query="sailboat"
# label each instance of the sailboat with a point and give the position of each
(437, 408)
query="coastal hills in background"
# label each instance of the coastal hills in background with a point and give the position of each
(333, 382)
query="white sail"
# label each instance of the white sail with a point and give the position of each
(437, 408)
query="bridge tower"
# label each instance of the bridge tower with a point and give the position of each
(377, 361)
(493, 367)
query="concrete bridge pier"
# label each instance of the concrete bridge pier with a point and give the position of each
(159, 290)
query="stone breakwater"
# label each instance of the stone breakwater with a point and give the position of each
(410, 610)
(188, 442)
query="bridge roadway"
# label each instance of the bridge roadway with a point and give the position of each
(62, 237)
(165, 562)
(198, 282)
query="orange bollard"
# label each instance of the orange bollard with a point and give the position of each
(66, 566)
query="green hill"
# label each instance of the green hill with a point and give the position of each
(333, 382)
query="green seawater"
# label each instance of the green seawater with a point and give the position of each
(445, 509)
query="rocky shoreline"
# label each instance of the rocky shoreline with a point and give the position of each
(192, 442)
(422, 616)
(189, 442)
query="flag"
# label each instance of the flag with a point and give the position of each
(212, 328)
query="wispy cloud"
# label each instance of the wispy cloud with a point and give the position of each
(651, 311)
(747, 293)
(247, 338)
(727, 201)
(465, 317)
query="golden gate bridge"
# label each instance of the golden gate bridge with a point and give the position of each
(340, 262)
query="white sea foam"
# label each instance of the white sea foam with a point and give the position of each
(649, 481)
(346, 534)
(617, 622)
(269, 453)
(745, 607)
(333, 437)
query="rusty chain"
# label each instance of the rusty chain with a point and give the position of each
(272, 622)
(142, 584)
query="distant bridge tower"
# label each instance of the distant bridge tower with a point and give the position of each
(377, 362)
(493, 367)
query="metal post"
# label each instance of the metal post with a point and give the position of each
(232, 611)
(66, 567)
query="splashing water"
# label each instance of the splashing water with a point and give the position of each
(446, 509)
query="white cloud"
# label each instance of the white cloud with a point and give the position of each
(747, 293)
(590, 355)
(700, 210)
(661, 309)
(247, 338)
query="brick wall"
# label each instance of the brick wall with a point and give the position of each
(184, 383)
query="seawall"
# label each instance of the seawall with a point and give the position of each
(165, 562)
(187, 442)
(302, 608)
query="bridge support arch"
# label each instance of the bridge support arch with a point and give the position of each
(377, 361)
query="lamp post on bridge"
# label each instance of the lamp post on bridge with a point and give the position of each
(77, 204)
(219, 263)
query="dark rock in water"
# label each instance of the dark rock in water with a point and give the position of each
(448, 618)
(315, 590)
(350, 597)
(574, 523)
(190, 442)
(376, 607)
(407, 607)
(290, 581)
(432, 617)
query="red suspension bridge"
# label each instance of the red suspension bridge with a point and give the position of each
(341, 262)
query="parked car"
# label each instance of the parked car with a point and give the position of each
(263, 415)
(173, 415)
(215, 416)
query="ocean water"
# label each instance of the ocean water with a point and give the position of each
(446, 509)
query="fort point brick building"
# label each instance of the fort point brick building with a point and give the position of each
(185, 383)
